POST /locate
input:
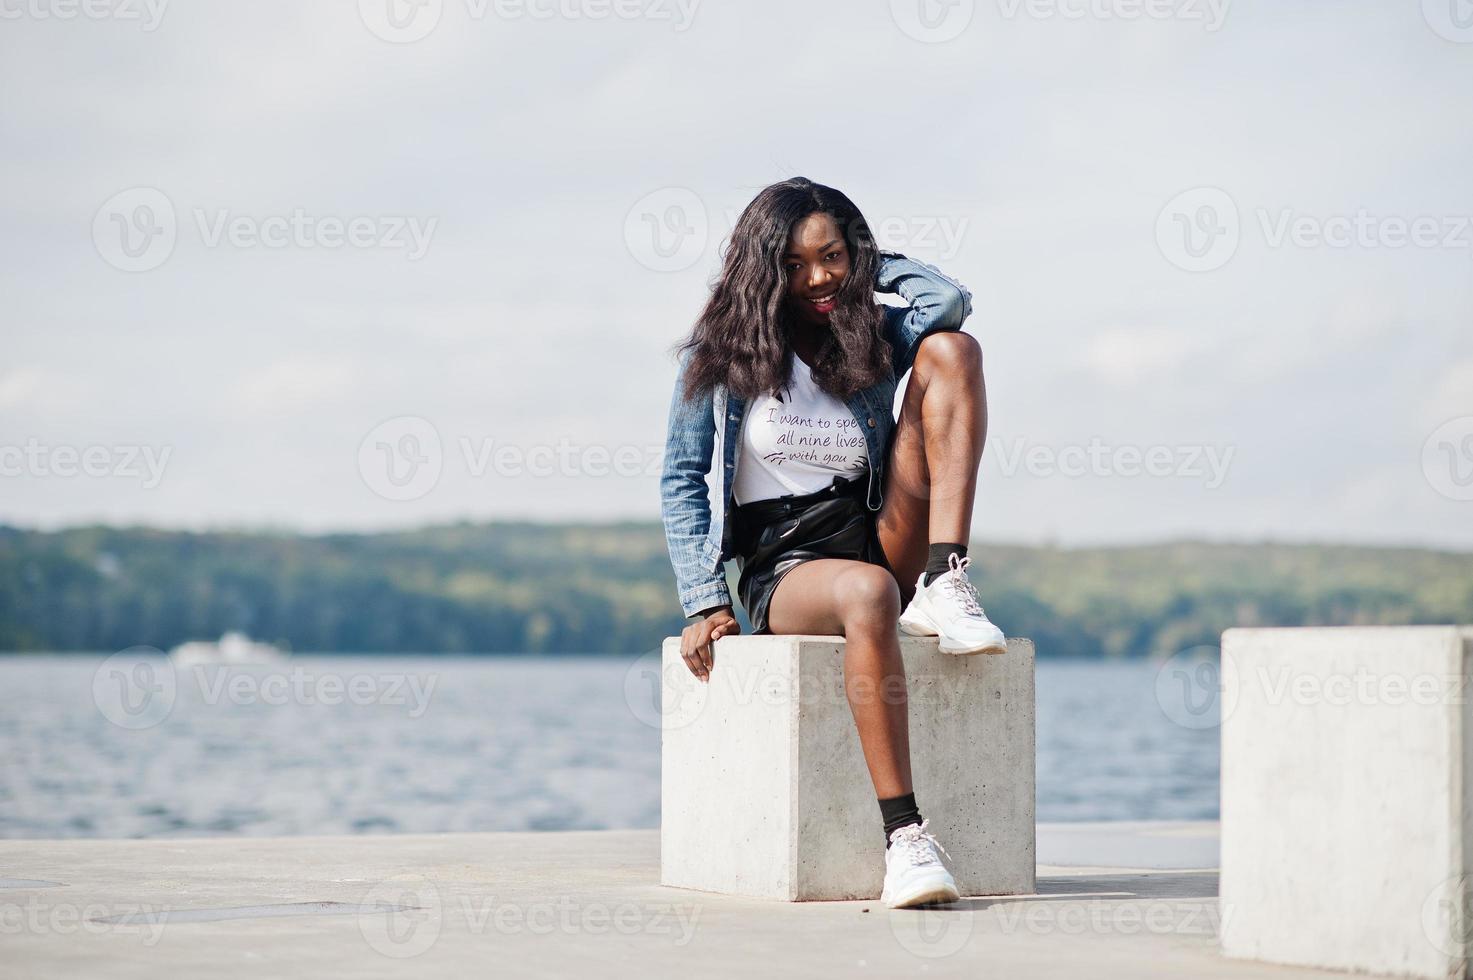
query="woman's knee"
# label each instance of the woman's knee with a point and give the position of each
(868, 593)
(951, 351)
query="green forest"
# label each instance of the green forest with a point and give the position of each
(607, 588)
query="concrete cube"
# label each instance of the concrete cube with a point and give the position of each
(1346, 817)
(764, 789)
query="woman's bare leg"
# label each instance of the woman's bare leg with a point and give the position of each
(931, 475)
(859, 601)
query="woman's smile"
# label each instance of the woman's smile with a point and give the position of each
(816, 262)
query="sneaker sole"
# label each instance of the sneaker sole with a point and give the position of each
(930, 894)
(915, 623)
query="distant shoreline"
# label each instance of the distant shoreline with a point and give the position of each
(515, 588)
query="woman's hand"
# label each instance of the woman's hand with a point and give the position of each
(697, 640)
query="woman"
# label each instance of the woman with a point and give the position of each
(838, 515)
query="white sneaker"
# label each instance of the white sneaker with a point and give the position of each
(914, 874)
(948, 608)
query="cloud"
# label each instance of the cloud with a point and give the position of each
(1050, 145)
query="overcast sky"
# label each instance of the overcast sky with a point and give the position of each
(328, 265)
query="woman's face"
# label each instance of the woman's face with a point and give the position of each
(816, 262)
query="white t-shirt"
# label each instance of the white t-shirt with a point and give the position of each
(797, 444)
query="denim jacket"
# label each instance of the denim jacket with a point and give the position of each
(698, 523)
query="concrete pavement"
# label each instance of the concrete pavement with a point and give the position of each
(1130, 900)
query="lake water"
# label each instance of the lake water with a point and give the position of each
(94, 747)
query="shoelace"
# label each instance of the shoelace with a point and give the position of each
(913, 838)
(961, 587)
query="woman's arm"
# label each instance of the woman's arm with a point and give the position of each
(685, 503)
(935, 302)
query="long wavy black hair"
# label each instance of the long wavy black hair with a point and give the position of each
(741, 339)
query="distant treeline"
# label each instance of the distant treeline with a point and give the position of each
(608, 588)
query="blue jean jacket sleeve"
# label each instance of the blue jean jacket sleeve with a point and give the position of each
(936, 302)
(685, 503)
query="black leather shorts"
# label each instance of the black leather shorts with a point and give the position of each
(772, 537)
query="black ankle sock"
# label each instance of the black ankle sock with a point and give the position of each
(897, 812)
(938, 560)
